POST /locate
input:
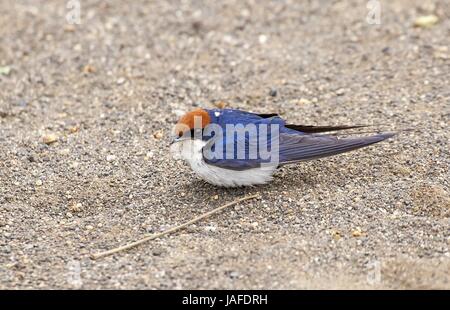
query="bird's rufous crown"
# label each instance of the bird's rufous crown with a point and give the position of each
(188, 121)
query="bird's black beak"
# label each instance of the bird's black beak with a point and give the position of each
(178, 139)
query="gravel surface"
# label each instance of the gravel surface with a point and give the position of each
(85, 116)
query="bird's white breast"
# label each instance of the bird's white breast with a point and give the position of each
(191, 151)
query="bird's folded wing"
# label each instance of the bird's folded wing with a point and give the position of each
(231, 148)
(294, 148)
(318, 129)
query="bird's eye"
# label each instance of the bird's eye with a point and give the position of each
(180, 134)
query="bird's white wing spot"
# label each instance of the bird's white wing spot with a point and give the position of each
(217, 114)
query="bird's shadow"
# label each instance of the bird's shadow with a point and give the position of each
(281, 181)
(295, 179)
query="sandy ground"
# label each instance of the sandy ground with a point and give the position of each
(374, 218)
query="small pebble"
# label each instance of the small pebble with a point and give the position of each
(220, 104)
(5, 70)
(340, 92)
(304, 101)
(74, 129)
(210, 228)
(158, 135)
(357, 233)
(49, 139)
(39, 183)
(110, 158)
(262, 39)
(64, 152)
(426, 21)
(69, 28)
(77, 207)
(336, 235)
(441, 52)
(88, 69)
(157, 252)
(273, 92)
(178, 112)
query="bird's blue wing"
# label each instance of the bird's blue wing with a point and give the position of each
(235, 152)
(228, 157)
(233, 116)
(295, 148)
(295, 142)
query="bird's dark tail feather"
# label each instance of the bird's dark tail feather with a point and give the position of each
(315, 147)
(318, 129)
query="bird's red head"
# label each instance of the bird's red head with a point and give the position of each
(190, 120)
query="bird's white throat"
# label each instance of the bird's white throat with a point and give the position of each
(188, 149)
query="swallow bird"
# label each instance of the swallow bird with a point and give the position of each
(230, 148)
